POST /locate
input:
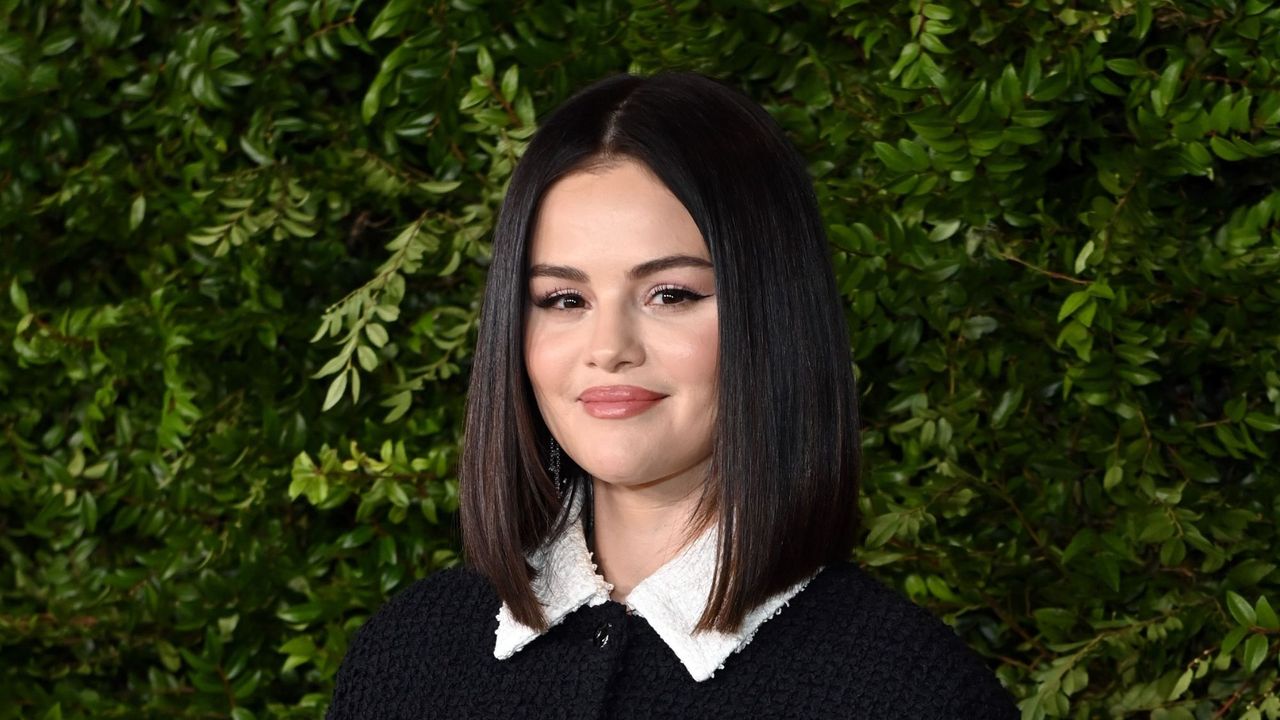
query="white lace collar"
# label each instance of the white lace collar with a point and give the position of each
(671, 599)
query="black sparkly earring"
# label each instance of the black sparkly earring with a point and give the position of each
(562, 484)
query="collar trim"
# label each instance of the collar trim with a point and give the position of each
(671, 599)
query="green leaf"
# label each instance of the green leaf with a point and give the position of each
(978, 325)
(1255, 651)
(1010, 400)
(1184, 682)
(1073, 303)
(377, 334)
(454, 261)
(1240, 609)
(1104, 85)
(1142, 19)
(301, 645)
(440, 187)
(18, 297)
(971, 103)
(370, 104)
(1101, 289)
(909, 53)
(1198, 154)
(1265, 614)
(137, 211)
(1033, 118)
(1167, 88)
(1225, 149)
(1138, 376)
(359, 536)
(390, 19)
(303, 613)
(893, 158)
(255, 153)
(1268, 112)
(882, 529)
(1233, 638)
(336, 389)
(399, 404)
(1051, 87)
(1124, 66)
(296, 229)
(1239, 118)
(1011, 86)
(510, 82)
(1263, 422)
(484, 62)
(1083, 257)
(944, 230)
(1234, 408)
(937, 12)
(917, 156)
(474, 96)
(930, 42)
(1220, 115)
(1156, 527)
(1173, 552)
(204, 239)
(336, 363)
(58, 43)
(397, 495)
(1249, 572)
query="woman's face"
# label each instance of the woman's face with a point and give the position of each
(621, 338)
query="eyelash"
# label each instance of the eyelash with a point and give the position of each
(550, 299)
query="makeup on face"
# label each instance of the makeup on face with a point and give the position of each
(617, 402)
(621, 326)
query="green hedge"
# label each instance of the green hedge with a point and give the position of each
(243, 244)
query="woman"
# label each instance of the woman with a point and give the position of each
(660, 468)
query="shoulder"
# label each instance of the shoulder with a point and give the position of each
(442, 593)
(905, 643)
(431, 618)
(445, 600)
(860, 602)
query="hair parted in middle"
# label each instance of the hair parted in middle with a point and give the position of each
(786, 462)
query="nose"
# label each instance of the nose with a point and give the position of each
(615, 339)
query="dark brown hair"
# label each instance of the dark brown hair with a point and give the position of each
(786, 459)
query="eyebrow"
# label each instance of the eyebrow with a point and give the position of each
(646, 268)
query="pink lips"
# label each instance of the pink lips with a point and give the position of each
(618, 401)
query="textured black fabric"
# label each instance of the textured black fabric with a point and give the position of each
(846, 646)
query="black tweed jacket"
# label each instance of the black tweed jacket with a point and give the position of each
(846, 646)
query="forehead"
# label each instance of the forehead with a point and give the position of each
(622, 213)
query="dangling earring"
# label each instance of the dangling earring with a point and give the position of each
(561, 483)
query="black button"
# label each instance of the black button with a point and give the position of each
(602, 635)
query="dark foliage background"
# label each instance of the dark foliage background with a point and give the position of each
(243, 243)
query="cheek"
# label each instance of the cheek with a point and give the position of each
(693, 357)
(544, 358)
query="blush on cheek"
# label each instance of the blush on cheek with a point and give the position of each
(701, 352)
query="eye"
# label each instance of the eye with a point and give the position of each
(664, 296)
(675, 295)
(553, 298)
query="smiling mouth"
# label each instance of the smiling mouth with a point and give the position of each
(618, 409)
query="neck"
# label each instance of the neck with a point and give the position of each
(636, 529)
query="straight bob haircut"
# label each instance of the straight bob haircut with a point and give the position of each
(786, 460)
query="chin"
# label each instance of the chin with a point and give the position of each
(620, 476)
